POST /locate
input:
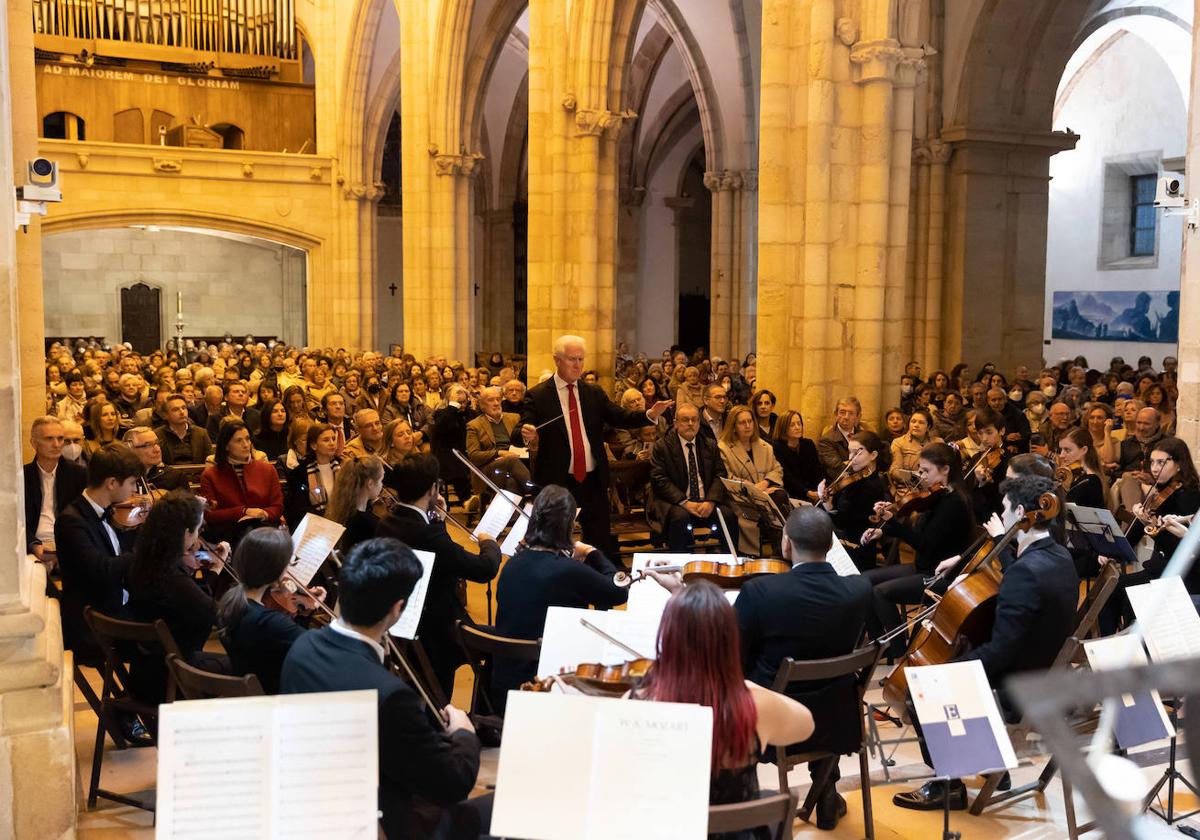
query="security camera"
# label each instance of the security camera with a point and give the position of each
(1170, 192)
(41, 181)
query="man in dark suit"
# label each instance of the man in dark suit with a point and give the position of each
(236, 399)
(685, 483)
(833, 448)
(415, 482)
(1035, 613)
(181, 440)
(426, 770)
(333, 406)
(809, 613)
(158, 479)
(570, 452)
(50, 485)
(93, 554)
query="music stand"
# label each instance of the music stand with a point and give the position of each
(1097, 531)
(749, 502)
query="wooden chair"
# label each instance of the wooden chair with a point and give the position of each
(628, 522)
(774, 812)
(481, 647)
(118, 639)
(1068, 655)
(196, 684)
(859, 664)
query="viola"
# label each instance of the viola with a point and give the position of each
(1153, 502)
(287, 597)
(132, 512)
(724, 575)
(597, 679)
(917, 501)
(1068, 474)
(965, 614)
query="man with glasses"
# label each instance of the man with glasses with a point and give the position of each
(716, 409)
(158, 478)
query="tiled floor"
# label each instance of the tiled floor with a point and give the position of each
(1028, 818)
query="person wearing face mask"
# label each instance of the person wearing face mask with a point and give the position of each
(1035, 408)
(1016, 439)
(74, 451)
(51, 482)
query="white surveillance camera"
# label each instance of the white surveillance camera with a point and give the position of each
(1170, 192)
(41, 181)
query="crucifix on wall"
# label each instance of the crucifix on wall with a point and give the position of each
(392, 288)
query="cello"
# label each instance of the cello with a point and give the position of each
(965, 614)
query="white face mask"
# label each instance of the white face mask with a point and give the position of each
(906, 389)
(1049, 391)
(1038, 408)
(1015, 394)
(71, 451)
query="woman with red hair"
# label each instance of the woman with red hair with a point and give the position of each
(699, 662)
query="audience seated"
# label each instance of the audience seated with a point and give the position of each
(243, 493)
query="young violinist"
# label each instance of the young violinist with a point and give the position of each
(162, 584)
(851, 500)
(698, 662)
(427, 768)
(415, 522)
(256, 637)
(983, 473)
(1080, 474)
(1035, 612)
(549, 569)
(1175, 491)
(942, 531)
(357, 486)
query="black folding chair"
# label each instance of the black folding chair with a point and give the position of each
(774, 812)
(481, 647)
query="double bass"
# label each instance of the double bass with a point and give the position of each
(965, 614)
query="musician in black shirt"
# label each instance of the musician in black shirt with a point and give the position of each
(862, 487)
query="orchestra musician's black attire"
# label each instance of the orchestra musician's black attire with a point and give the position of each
(259, 641)
(802, 470)
(361, 526)
(853, 506)
(1086, 491)
(553, 463)
(452, 563)
(671, 486)
(1035, 613)
(93, 571)
(940, 532)
(162, 477)
(534, 580)
(811, 612)
(985, 495)
(425, 774)
(1183, 502)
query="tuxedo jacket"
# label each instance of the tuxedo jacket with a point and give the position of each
(811, 612)
(552, 463)
(92, 572)
(417, 760)
(69, 481)
(669, 474)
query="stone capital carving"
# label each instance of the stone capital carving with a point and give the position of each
(729, 180)
(167, 165)
(363, 192)
(875, 61)
(594, 123)
(750, 180)
(935, 151)
(465, 164)
(846, 30)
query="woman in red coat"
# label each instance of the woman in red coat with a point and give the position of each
(242, 493)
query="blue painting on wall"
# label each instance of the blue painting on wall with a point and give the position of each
(1117, 316)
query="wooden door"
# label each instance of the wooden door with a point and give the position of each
(141, 317)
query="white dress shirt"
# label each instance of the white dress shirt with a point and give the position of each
(45, 526)
(340, 628)
(589, 459)
(683, 445)
(112, 534)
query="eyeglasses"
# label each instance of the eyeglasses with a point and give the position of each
(152, 445)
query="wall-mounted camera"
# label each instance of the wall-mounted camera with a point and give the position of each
(1170, 192)
(40, 188)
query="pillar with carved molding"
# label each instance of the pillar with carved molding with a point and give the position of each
(730, 333)
(833, 204)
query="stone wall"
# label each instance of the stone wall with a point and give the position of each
(229, 283)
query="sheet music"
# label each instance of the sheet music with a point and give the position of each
(1140, 717)
(1168, 618)
(637, 631)
(296, 766)
(964, 731)
(646, 597)
(516, 533)
(498, 514)
(641, 770)
(312, 541)
(406, 626)
(839, 558)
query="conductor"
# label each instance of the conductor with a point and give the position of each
(564, 421)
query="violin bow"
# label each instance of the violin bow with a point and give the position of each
(728, 540)
(611, 640)
(487, 480)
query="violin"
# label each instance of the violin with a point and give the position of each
(918, 501)
(965, 614)
(1153, 502)
(989, 460)
(1068, 474)
(724, 575)
(843, 481)
(289, 598)
(597, 679)
(132, 512)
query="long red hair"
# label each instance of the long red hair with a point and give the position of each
(699, 662)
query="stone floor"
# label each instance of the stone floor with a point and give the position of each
(1028, 818)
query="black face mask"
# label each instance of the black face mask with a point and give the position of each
(373, 387)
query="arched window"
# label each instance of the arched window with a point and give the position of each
(63, 125)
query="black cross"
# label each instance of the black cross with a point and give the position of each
(392, 288)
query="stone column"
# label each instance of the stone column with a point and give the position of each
(833, 203)
(730, 331)
(930, 243)
(572, 179)
(438, 193)
(37, 750)
(629, 235)
(1188, 412)
(499, 289)
(995, 279)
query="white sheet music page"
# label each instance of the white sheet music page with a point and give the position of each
(214, 751)
(327, 766)
(516, 533)
(294, 766)
(566, 642)
(312, 541)
(498, 514)
(406, 627)
(646, 596)
(839, 558)
(1170, 623)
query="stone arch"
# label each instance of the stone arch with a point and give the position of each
(655, 47)
(683, 112)
(354, 128)
(184, 218)
(497, 29)
(516, 141)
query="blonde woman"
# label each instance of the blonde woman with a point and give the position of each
(749, 458)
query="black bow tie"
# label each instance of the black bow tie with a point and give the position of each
(107, 515)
